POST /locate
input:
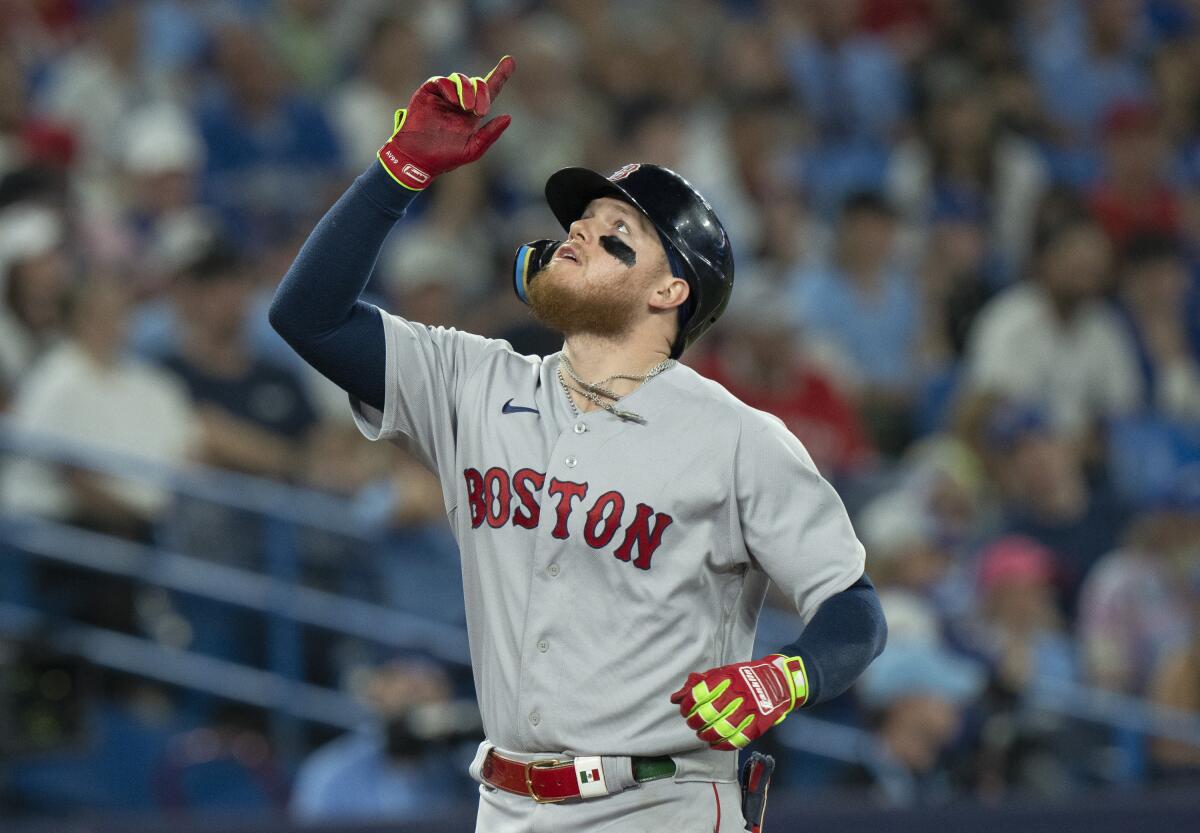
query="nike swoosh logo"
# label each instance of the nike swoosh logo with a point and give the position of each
(510, 408)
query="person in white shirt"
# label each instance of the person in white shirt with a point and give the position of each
(87, 392)
(1052, 340)
(35, 275)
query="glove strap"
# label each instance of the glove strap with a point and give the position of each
(797, 677)
(398, 166)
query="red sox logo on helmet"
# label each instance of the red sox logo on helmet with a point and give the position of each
(624, 172)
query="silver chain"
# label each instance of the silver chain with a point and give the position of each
(593, 391)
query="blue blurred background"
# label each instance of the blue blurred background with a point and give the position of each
(967, 240)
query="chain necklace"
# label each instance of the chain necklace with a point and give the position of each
(594, 391)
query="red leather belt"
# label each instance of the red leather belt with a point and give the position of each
(546, 781)
(550, 780)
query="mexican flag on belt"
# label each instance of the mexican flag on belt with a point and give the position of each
(585, 777)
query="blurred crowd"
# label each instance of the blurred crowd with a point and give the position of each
(967, 238)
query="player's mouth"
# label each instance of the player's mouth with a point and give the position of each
(567, 252)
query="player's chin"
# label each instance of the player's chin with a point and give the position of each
(554, 281)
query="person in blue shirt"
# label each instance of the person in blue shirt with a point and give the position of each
(855, 95)
(385, 771)
(257, 134)
(863, 309)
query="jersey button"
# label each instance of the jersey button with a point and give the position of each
(571, 461)
(535, 718)
(580, 428)
(552, 569)
(543, 645)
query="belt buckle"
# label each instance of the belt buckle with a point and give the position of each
(544, 763)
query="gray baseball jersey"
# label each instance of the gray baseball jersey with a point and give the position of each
(603, 560)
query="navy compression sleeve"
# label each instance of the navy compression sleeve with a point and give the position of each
(317, 308)
(844, 635)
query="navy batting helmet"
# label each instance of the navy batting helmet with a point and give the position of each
(694, 238)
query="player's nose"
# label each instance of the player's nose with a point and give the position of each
(578, 231)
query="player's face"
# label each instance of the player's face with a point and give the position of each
(601, 278)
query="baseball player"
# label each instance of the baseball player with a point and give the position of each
(619, 516)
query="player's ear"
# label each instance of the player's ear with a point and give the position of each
(669, 292)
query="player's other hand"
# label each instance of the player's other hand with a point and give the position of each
(440, 129)
(732, 705)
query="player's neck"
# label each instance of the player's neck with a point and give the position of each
(595, 358)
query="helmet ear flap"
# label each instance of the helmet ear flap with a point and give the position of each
(530, 259)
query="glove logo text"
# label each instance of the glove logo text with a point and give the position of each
(415, 173)
(767, 695)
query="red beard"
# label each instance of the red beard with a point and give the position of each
(565, 304)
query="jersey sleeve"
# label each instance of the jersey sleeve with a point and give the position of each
(426, 371)
(792, 521)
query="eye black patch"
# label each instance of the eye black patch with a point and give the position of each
(619, 250)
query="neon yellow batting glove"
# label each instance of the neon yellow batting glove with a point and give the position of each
(732, 705)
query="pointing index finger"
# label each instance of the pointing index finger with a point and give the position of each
(499, 75)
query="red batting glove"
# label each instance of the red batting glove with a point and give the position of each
(735, 704)
(439, 130)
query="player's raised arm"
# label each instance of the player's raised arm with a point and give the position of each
(317, 307)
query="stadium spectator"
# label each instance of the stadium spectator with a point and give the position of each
(303, 33)
(13, 114)
(1084, 56)
(1045, 495)
(1132, 196)
(546, 111)
(257, 131)
(430, 268)
(1177, 88)
(1051, 340)
(947, 475)
(1175, 684)
(766, 365)
(155, 224)
(417, 568)
(1137, 605)
(962, 157)
(98, 83)
(1154, 289)
(384, 772)
(849, 81)
(27, 138)
(1019, 628)
(390, 67)
(902, 547)
(35, 277)
(956, 276)
(411, 563)
(753, 69)
(788, 234)
(917, 694)
(255, 416)
(86, 391)
(862, 305)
